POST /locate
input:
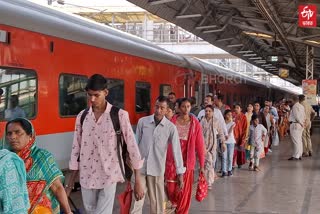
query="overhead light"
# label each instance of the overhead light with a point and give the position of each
(206, 27)
(244, 52)
(161, 2)
(266, 65)
(314, 42)
(259, 57)
(234, 45)
(188, 16)
(262, 35)
(250, 54)
(260, 61)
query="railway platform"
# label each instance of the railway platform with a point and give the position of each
(281, 187)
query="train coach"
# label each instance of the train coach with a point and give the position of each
(46, 57)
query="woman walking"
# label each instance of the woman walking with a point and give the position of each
(191, 141)
(211, 128)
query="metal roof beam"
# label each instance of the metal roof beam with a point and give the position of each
(224, 39)
(236, 6)
(252, 28)
(249, 19)
(160, 2)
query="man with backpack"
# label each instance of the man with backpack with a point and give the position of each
(96, 152)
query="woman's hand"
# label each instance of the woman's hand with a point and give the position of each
(201, 170)
(180, 181)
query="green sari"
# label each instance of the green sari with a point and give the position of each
(13, 189)
(42, 171)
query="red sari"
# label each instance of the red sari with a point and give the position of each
(239, 130)
(189, 147)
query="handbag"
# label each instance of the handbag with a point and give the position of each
(202, 188)
(275, 138)
(125, 199)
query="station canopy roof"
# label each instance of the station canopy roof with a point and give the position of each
(257, 31)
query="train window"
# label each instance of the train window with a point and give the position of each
(19, 93)
(72, 94)
(143, 96)
(116, 92)
(165, 89)
(228, 101)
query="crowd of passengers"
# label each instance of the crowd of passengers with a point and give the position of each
(163, 152)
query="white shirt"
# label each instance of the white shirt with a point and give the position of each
(153, 143)
(12, 113)
(256, 133)
(297, 114)
(230, 135)
(218, 115)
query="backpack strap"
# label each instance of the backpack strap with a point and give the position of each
(83, 116)
(114, 114)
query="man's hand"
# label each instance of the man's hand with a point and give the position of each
(138, 190)
(180, 181)
(223, 147)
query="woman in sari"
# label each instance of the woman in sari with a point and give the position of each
(44, 178)
(211, 128)
(191, 141)
(13, 188)
(270, 128)
(248, 114)
(240, 134)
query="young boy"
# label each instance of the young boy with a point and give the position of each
(256, 138)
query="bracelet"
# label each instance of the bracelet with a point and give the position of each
(67, 186)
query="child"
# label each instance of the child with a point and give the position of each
(227, 156)
(256, 140)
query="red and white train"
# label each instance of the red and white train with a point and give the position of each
(46, 57)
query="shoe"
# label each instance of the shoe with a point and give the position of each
(239, 166)
(257, 169)
(269, 150)
(209, 187)
(300, 158)
(310, 154)
(305, 155)
(293, 158)
(230, 173)
(223, 174)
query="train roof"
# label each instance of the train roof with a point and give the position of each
(37, 18)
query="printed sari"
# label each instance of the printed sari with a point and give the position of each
(13, 189)
(42, 171)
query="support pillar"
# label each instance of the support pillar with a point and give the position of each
(309, 63)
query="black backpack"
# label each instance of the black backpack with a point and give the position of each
(122, 152)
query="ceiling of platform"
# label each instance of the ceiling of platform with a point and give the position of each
(253, 30)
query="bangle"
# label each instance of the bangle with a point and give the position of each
(67, 186)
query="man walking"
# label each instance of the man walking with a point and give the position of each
(154, 133)
(296, 120)
(94, 151)
(306, 138)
